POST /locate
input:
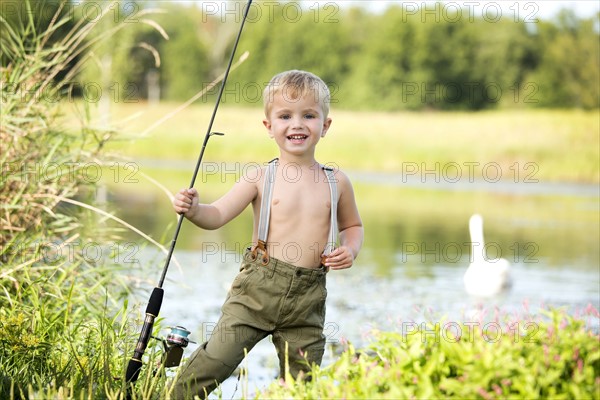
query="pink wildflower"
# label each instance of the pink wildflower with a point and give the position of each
(497, 389)
(283, 384)
(484, 394)
(591, 310)
(497, 312)
(550, 331)
(526, 305)
(563, 324)
(546, 349)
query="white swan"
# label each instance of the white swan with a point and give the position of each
(484, 277)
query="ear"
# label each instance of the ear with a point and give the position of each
(267, 125)
(326, 126)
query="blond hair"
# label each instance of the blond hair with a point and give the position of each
(295, 84)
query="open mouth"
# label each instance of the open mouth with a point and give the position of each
(297, 138)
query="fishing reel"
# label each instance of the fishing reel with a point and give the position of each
(173, 346)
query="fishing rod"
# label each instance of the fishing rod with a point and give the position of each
(156, 298)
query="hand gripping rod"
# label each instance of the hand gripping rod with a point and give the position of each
(155, 302)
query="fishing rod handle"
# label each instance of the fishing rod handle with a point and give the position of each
(152, 311)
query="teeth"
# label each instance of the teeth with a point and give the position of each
(297, 137)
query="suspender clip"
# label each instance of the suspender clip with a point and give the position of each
(262, 246)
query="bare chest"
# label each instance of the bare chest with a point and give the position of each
(300, 212)
(304, 200)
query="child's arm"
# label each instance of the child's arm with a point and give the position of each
(220, 212)
(350, 226)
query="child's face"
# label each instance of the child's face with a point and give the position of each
(296, 124)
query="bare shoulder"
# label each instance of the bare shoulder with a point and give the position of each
(343, 182)
(248, 182)
(252, 173)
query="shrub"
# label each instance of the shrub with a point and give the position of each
(553, 357)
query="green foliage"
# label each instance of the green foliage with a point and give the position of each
(43, 348)
(62, 323)
(434, 56)
(413, 60)
(185, 57)
(569, 61)
(553, 357)
(283, 40)
(33, 16)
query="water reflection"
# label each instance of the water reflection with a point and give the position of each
(407, 227)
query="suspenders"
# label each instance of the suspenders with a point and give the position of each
(265, 213)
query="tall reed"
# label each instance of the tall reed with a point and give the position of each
(63, 322)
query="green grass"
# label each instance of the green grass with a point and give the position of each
(63, 311)
(545, 145)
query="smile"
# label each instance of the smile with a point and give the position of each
(297, 137)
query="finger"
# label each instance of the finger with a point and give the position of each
(334, 255)
(335, 262)
(339, 262)
(182, 202)
(186, 193)
(336, 252)
(343, 266)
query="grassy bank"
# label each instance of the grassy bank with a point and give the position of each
(63, 308)
(549, 357)
(520, 145)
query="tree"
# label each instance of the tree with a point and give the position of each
(568, 74)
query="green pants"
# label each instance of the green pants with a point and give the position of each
(277, 299)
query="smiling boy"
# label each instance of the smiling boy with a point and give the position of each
(298, 207)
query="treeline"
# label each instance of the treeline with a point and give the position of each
(409, 56)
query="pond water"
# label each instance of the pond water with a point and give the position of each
(410, 270)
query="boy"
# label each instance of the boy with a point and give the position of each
(298, 205)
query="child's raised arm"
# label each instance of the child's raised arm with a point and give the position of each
(221, 211)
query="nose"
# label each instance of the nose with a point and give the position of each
(297, 122)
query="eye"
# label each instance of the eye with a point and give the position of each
(309, 116)
(284, 116)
